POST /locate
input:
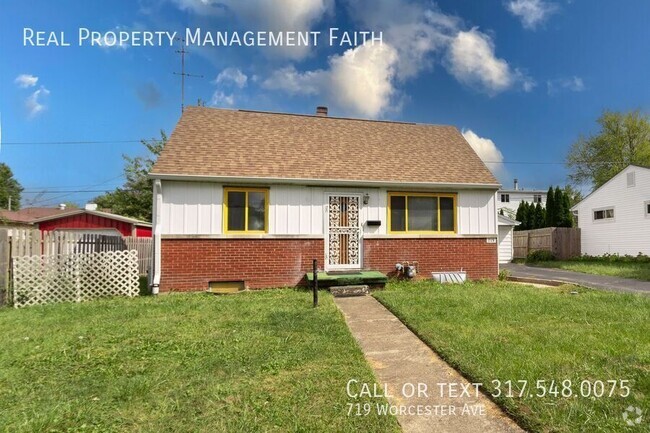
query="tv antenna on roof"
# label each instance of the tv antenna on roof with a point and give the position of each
(182, 73)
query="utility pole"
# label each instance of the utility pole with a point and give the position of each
(182, 73)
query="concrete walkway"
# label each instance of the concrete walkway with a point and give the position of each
(402, 363)
(600, 282)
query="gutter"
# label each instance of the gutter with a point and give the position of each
(157, 229)
(323, 182)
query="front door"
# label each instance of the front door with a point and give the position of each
(343, 236)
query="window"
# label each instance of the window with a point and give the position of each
(505, 198)
(246, 210)
(537, 198)
(631, 179)
(646, 206)
(603, 214)
(421, 213)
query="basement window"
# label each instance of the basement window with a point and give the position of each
(246, 210)
(421, 213)
(604, 214)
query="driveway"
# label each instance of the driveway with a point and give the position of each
(601, 282)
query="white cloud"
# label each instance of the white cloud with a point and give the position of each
(531, 12)
(414, 31)
(34, 103)
(362, 79)
(573, 84)
(472, 60)
(358, 82)
(221, 99)
(365, 80)
(232, 76)
(487, 151)
(294, 82)
(26, 80)
(287, 15)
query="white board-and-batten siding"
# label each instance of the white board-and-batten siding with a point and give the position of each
(629, 231)
(196, 208)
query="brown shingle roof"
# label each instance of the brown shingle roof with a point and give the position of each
(235, 143)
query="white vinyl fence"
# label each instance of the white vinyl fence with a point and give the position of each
(40, 279)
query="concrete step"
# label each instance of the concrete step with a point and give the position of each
(345, 291)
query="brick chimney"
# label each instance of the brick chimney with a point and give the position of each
(321, 111)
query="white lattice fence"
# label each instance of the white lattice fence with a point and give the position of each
(74, 277)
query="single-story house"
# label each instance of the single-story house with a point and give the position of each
(251, 198)
(88, 220)
(615, 218)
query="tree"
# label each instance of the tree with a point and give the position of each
(563, 215)
(567, 216)
(521, 216)
(134, 199)
(550, 207)
(558, 198)
(540, 217)
(623, 139)
(9, 188)
(574, 195)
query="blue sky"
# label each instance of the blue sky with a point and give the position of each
(522, 78)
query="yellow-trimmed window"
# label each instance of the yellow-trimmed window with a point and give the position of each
(246, 210)
(421, 213)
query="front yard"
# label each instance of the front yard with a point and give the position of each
(637, 271)
(510, 332)
(263, 361)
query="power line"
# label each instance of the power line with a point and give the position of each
(30, 143)
(73, 191)
(68, 193)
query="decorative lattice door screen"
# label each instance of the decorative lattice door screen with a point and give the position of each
(344, 232)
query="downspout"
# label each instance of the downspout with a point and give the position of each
(157, 229)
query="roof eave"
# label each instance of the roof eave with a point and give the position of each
(324, 182)
(91, 212)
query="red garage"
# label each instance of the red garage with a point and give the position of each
(87, 220)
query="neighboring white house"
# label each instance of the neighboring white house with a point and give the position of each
(615, 218)
(509, 199)
(506, 245)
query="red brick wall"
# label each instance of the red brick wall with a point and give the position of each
(476, 256)
(189, 264)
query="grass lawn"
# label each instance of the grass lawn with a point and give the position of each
(263, 361)
(513, 332)
(637, 271)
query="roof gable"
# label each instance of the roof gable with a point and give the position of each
(210, 142)
(35, 215)
(604, 186)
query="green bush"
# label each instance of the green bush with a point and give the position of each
(143, 281)
(614, 258)
(504, 274)
(540, 256)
